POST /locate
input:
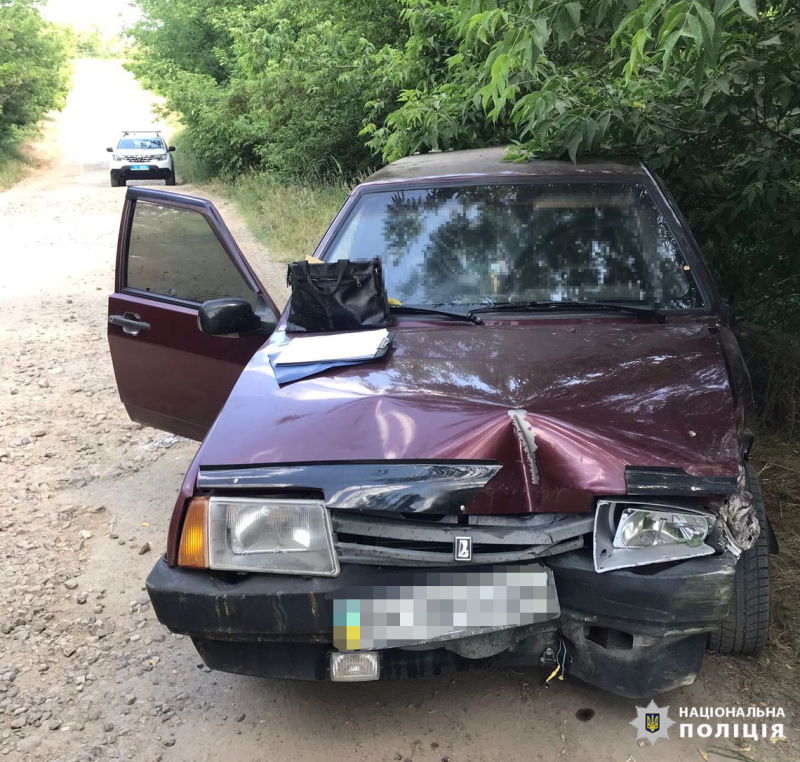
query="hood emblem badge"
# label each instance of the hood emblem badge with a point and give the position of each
(462, 548)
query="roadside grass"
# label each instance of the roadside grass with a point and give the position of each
(289, 219)
(190, 168)
(20, 153)
(778, 463)
(774, 361)
(13, 165)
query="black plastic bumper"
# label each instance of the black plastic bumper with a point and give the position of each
(152, 173)
(632, 633)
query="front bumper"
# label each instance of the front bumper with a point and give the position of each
(632, 632)
(153, 172)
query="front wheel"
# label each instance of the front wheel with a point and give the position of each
(171, 178)
(115, 182)
(746, 628)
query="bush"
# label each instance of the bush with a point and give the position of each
(276, 86)
(91, 43)
(34, 68)
(773, 358)
(707, 92)
(289, 219)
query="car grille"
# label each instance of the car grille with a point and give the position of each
(139, 159)
(410, 539)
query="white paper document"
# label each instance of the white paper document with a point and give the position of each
(335, 347)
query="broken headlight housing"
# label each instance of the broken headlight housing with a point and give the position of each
(645, 527)
(279, 536)
(628, 534)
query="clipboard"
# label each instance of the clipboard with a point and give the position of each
(349, 347)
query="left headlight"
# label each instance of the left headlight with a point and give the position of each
(646, 527)
(280, 536)
(628, 534)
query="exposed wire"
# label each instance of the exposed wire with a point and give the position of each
(561, 664)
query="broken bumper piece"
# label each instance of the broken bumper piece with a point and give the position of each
(632, 632)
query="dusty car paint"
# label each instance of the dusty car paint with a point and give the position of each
(599, 395)
(171, 375)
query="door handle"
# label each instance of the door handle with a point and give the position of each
(130, 323)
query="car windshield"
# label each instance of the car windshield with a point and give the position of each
(141, 144)
(494, 244)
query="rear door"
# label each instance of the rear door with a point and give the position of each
(174, 253)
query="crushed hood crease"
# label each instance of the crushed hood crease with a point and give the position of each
(562, 405)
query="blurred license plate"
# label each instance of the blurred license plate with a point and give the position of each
(145, 167)
(422, 607)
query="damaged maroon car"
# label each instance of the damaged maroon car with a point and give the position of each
(549, 467)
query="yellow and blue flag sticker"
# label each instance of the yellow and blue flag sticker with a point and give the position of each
(347, 624)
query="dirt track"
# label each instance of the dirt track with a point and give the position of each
(86, 672)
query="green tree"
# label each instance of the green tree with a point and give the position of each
(277, 85)
(91, 43)
(183, 36)
(706, 91)
(34, 67)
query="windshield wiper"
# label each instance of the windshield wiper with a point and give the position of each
(567, 305)
(468, 317)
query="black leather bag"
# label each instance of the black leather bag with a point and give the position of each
(340, 296)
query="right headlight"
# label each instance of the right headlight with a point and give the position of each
(628, 533)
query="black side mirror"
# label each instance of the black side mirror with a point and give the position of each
(171, 148)
(227, 317)
(110, 150)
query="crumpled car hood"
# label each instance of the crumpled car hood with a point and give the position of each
(563, 405)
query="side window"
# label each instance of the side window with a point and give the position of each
(175, 253)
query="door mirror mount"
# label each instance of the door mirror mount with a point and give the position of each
(171, 148)
(730, 313)
(230, 317)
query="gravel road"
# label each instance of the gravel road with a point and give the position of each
(86, 671)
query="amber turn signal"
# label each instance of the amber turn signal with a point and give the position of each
(193, 552)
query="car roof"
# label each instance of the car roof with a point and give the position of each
(488, 163)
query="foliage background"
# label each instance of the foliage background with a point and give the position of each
(94, 43)
(277, 86)
(706, 91)
(34, 68)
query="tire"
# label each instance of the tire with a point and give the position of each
(171, 178)
(114, 182)
(746, 628)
